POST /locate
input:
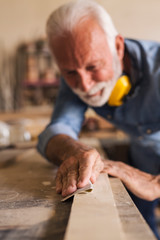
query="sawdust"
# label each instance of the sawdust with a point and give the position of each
(25, 217)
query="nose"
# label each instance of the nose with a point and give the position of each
(85, 81)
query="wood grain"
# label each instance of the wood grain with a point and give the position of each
(94, 215)
(29, 205)
(133, 224)
(31, 209)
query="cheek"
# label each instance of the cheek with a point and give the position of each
(103, 75)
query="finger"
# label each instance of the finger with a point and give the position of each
(71, 181)
(112, 169)
(58, 183)
(60, 178)
(70, 177)
(64, 185)
(97, 169)
(63, 171)
(85, 171)
(117, 169)
(109, 165)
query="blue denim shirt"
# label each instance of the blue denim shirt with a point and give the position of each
(139, 116)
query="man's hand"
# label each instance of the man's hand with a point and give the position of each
(78, 163)
(143, 185)
(76, 171)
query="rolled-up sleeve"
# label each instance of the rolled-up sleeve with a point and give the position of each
(67, 118)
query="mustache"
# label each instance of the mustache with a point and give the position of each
(96, 88)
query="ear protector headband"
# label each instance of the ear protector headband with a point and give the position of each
(120, 90)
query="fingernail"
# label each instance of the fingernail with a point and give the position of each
(64, 193)
(93, 178)
(81, 184)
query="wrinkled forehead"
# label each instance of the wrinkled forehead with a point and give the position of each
(87, 30)
(85, 36)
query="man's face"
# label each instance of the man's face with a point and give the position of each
(86, 62)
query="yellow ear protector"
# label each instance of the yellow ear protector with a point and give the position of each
(120, 90)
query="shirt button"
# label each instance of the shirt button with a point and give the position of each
(148, 131)
(109, 116)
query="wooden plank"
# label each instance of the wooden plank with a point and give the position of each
(31, 209)
(133, 224)
(94, 215)
(29, 205)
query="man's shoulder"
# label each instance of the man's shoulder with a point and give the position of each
(145, 43)
(150, 48)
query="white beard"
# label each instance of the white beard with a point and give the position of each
(105, 87)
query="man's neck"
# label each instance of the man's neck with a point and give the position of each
(126, 63)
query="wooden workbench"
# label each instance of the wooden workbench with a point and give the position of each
(31, 209)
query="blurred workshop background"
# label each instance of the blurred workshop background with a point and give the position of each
(29, 78)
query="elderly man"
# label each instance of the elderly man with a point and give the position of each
(92, 57)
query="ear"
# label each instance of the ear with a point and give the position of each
(119, 44)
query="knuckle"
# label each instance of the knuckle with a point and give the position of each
(119, 164)
(70, 161)
(61, 168)
(90, 152)
(83, 168)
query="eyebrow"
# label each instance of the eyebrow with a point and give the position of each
(100, 61)
(94, 62)
(67, 70)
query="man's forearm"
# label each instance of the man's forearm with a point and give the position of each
(57, 148)
(61, 146)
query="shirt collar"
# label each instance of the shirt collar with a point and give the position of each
(132, 48)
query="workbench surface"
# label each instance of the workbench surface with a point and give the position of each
(31, 209)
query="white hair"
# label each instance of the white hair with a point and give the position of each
(66, 17)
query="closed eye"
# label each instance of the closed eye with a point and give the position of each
(71, 73)
(91, 68)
